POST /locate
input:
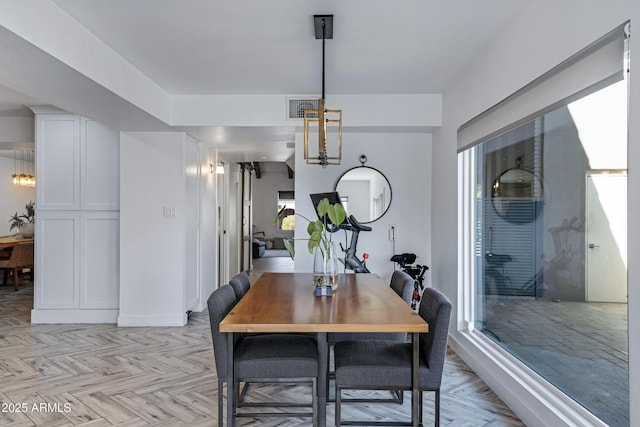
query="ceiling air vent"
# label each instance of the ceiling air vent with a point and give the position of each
(297, 107)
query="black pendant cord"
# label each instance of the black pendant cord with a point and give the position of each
(323, 42)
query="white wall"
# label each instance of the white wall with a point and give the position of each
(152, 246)
(191, 209)
(405, 159)
(521, 53)
(270, 110)
(13, 197)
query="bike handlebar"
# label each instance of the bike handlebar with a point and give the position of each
(354, 225)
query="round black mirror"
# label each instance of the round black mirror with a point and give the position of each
(517, 195)
(364, 192)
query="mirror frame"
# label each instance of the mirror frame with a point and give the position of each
(386, 209)
(503, 209)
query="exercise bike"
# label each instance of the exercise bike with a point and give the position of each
(417, 271)
(351, 260)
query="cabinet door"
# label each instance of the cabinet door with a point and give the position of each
(58, 162)
(100, 167)
(56, 260)
(100, 260)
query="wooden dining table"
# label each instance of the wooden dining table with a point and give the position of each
(286, 302)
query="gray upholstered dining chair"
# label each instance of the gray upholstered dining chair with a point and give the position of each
(386, 365)
(403, 285)
(268, 358)
(240, 284)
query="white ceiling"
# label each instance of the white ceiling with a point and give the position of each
(268, 47)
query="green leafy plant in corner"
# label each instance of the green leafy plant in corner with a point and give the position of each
(28, 217)
(319, 236)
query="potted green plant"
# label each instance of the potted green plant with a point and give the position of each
(24, 222)
(320, 242)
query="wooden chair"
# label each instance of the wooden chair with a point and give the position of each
(21, 257)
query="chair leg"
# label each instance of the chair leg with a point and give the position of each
(314, 401)
(328, 370)
(338, 403)
(220, 402)
(4, 280)
(16, 281)
(437, 399)
(420, 411)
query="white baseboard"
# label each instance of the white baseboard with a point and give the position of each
(73, 316)
(533, 399)
(152, 320)
(199, 308)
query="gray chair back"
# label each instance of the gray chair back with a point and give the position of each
(220, 303)
(240, 284)
(403, 284)
(435, 309)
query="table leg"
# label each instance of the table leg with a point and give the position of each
(231, 394)
(415, 393)
(323, 370)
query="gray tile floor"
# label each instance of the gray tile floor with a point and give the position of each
(166, 376)
(580, 347)
(273, 261)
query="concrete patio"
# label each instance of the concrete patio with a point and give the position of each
(582, 348)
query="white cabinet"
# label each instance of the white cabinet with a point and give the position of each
(57, 267)
(100, 171)
(77, 221)
(58, 162)
(99, 260)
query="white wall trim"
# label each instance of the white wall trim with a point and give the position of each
(73, 316)
(531, 397)
(124, 321)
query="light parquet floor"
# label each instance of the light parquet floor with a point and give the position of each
(102, 375)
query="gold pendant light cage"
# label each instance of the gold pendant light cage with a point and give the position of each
(27, 167)
(327, 125)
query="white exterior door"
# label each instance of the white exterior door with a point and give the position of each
(606, 237)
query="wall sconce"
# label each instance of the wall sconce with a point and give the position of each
(318, 121)
(219, 169)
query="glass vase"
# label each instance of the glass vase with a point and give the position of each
(325, 265)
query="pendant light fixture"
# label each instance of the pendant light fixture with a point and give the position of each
(322, 121)
(24, 179)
